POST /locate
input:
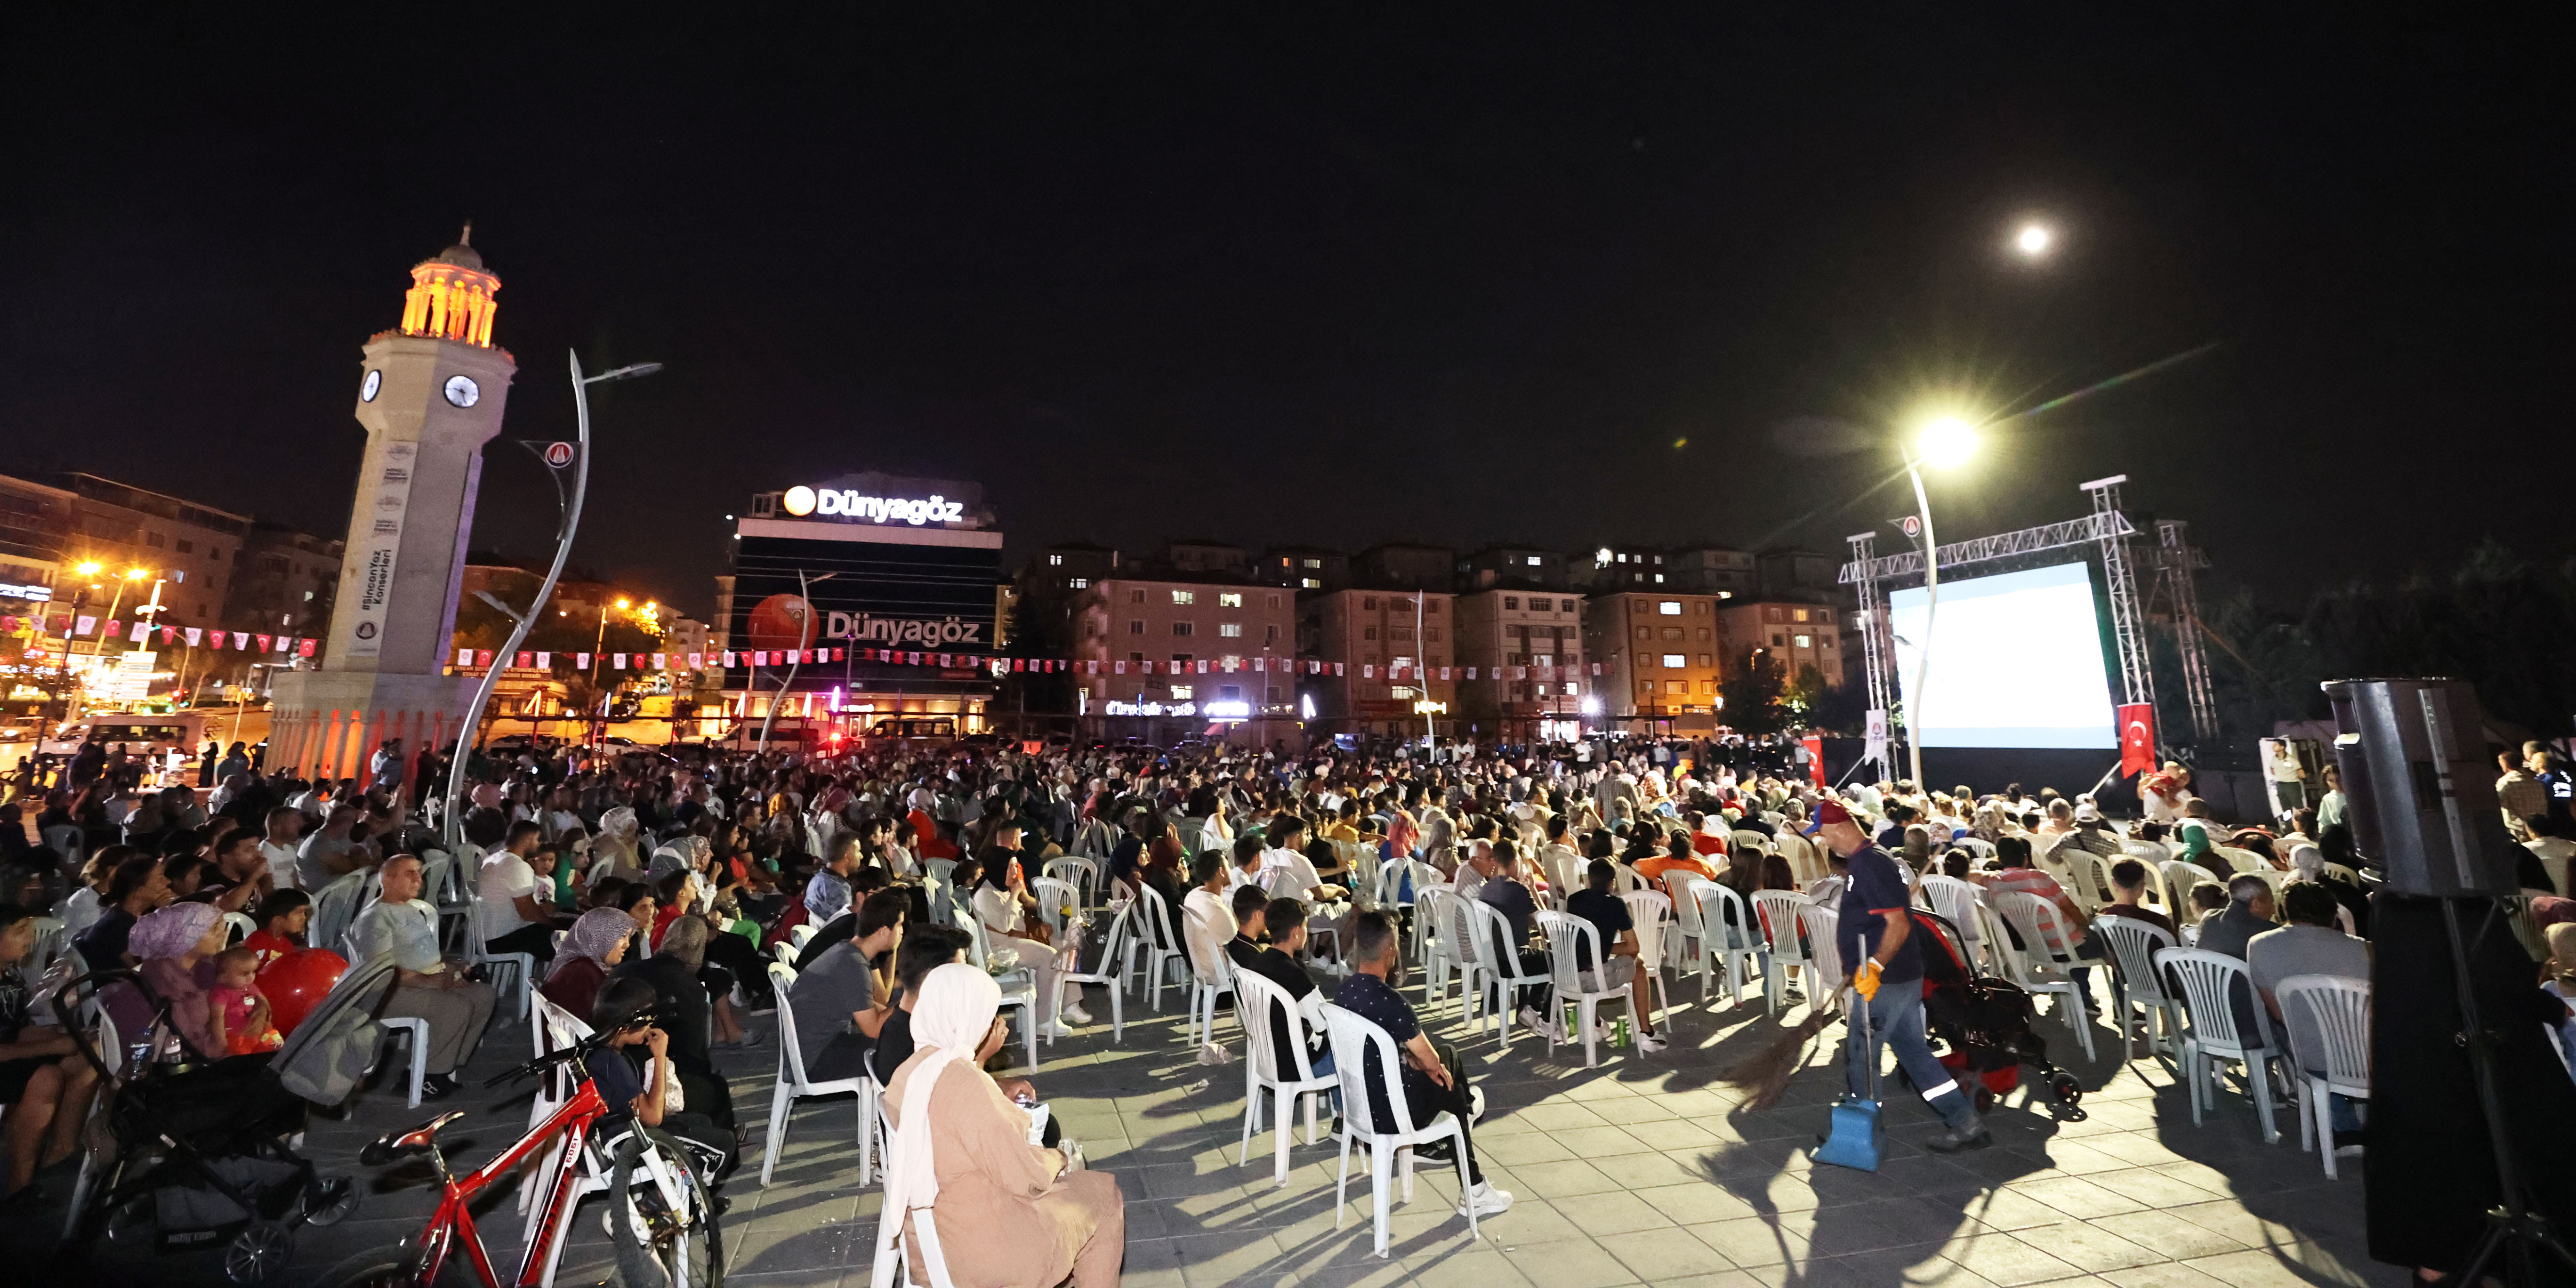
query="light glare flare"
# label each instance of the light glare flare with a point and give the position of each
(1946, 442)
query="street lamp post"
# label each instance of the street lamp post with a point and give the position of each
(452, 824)
(1945, 442)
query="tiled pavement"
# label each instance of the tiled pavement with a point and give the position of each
(1641, 1171)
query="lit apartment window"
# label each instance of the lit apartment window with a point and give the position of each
(1569, 688)
(1229, 599)
(1533, 561)
(1230, 630)
(1080, 583)
(1303, 583)
(1659, 579)
(1669, 607)
(1055, 561)
(1181, 692)
(1806, 641)
(1675, 661)
(1677, 687)
(1708, 686)
(1185, 597)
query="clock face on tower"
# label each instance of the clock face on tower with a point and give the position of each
(367, 388)
(462, 391)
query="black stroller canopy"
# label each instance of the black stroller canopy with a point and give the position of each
(332, 1049)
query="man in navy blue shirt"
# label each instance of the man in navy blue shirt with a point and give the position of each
(1875, 908)
(1433, 1078)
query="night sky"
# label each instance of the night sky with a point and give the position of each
(1280, 274)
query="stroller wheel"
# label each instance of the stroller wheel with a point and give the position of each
(259, 1254)
(1985, 1100)
(2069, 1094)
(330, 1199)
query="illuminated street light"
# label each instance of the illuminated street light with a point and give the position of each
(2034, 241)
(1946, 443)
(89, 568)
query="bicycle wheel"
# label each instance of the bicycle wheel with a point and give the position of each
(657, 1245)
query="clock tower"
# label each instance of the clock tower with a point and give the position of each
(430, 395)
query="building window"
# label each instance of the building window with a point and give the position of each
(1511, 601)
(1677, 687)
(1135, 657)
(1055, 561)
(1399, 633)
(1645, 688)
(190, 547)
(1229, 599)
(1645, 633)
(1672, 632)
(1706, 660)
(1569, 688)
(1797, 614)
(1368, 603)
(1181, 692)
(1533, 561)
(1806, 641)
(1079, 583)
(1314, 563)
(1703, 634)
(1368, 632)
(152, 539)
(1185, 597)
(1708, 686)
(1702, 609)
(1675, 661)
(1659, 579)
(1135, 596)
(1430, 634)
(1270, 634)
(1229, 690)
(1182, 628)
(1668, 607)
(1779, 640)
(1431, 608)
(1303, 583)
(1230, 630)
(1135, 626)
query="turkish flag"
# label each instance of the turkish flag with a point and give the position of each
(1815, 743)
(2137, 738)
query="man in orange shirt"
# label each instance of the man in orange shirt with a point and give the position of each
(1678, 858)
(1705, 840)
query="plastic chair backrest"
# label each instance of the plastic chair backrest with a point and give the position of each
(1080, 873)
(1496, 950)
(1801, 856)
(1158, 918)
(1624, 880)
(1454, 919)
(1732, 922)
(1113, 941)
(49, 941)
(2180, 876)
(2036, 921)
(1390, 884)
(2340, 1010)
(1686, 910)
(1653, 912)
(1054, 896)
(791, 1051)
(2208, 983)
(1353, 1037)
(334, 908)
(1568, 939)
(2134, 945)
(1776, 913)
(1953, 899)
(1743, 840)
(1254, 996)
(1824, 941)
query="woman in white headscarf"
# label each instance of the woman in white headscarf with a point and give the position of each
(1009, 1214)
(616, 852)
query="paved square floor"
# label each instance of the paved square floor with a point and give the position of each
(1645, 1170)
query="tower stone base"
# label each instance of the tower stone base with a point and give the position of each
(326, 724)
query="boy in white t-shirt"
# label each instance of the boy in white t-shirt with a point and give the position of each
(514, 907)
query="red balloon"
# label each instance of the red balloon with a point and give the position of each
(297, 982)
(781, 622)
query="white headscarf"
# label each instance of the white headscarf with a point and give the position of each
(956, 1010)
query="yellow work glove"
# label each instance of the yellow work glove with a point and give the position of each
(1865, 982)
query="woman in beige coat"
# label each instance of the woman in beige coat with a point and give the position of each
(1009, 1214)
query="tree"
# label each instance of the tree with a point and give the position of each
(1752, 694)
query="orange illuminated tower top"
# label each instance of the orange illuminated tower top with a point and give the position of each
(451, 296)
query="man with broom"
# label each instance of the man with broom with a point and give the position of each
(1875, 906)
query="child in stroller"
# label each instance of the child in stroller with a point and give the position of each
(199, 1145)
(1986, 1024)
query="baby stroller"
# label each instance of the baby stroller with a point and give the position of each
(1986, 1023)
(199, 1152)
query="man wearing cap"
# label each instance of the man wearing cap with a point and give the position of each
(1890, 979)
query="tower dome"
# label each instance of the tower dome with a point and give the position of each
(451, 296)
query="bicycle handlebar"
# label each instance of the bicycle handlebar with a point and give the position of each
(550, 1060)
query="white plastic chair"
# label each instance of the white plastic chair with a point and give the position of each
(1452, 953)
(416, 1032)
(1733, 939)
(1160, 944)
(1288, 1076)
(2136, 983)
(1433, 935)
(798, 934)
(51, 938)
(2340, 1009)
(1566, 935)
(1498, 957)
(2035, 967)
(335, 909)
(1107, 971)
(1055, 897)
(1955, 901)
(893, 1267)
(1359, 1045)
(1019, 986)
(1824, 948)
(2208, 981)
(1080, 873)
(1776, 913)
(1742, 842)
(1801, 854)
(1652, 911)
(792, 1085)
(1691, 950)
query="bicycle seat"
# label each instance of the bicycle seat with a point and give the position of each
(398, 1144)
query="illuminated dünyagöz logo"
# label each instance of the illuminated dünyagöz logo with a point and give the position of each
(867, 629)
(846, 503)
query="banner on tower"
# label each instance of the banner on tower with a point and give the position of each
(384, 505)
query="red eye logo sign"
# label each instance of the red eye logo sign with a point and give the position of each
(558, 455)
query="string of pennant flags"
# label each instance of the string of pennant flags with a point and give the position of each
(140, 632)
(731, 658)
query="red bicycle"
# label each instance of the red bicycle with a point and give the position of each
(662, 1221)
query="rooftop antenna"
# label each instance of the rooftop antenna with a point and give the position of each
(466, 238)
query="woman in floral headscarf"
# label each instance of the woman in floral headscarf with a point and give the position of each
(596, 942)
(174, 945)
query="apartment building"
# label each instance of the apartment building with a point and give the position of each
(1660, 659)
(1798, 635)
(1524, 670)
(1160, 655)
(1390, 646)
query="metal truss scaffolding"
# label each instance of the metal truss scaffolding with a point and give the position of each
(2106, 529)
(2175, 560)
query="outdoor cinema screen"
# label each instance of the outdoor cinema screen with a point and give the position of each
(2016, 662)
